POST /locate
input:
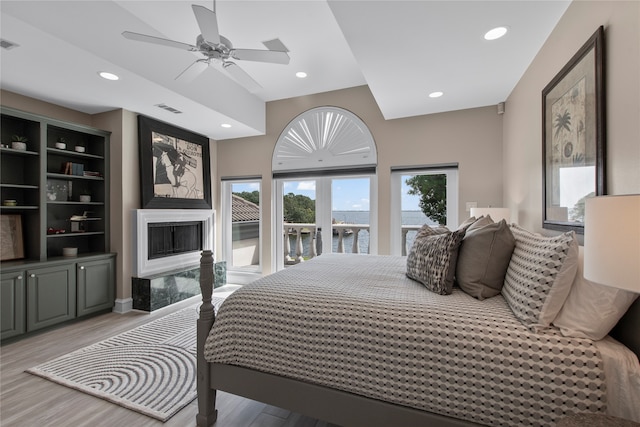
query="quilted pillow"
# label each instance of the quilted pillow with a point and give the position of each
(432, 260)
(539, 276)
(483, 259)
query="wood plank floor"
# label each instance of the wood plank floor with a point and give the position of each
(30, 401)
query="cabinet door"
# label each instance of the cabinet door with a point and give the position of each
(12, 304)
(95, 285)
(51, 295)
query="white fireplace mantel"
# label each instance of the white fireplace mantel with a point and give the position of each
(145, 267)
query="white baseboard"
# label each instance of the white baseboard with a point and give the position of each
(123, 305)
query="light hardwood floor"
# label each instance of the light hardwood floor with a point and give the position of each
(30, 401)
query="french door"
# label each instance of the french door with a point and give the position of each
(342, 207)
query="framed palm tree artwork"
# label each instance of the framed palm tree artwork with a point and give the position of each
(573, 137)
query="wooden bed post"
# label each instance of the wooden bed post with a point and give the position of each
(207, 413)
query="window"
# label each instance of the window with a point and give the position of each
(241, 230)
(324, 164)
(340, 206)
(421, 195)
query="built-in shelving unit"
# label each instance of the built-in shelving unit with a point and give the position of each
(59, 197)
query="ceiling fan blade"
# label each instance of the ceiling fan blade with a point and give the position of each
(193, 70)
(157, 40)
(208, 24)
(273, 56)
(241, 77)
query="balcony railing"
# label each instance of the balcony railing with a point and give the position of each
(341, 231)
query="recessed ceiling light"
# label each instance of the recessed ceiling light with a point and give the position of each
(225, 125)
(301, 74)
(496, 33)
(108, 76)
(437, 94)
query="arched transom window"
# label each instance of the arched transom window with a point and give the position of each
(324, 138)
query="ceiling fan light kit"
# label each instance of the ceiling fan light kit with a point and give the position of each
(215, 47)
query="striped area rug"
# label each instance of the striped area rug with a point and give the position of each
(150, 369)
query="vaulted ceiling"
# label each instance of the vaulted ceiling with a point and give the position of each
(403, 50)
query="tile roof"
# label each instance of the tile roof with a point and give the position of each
(243, 210)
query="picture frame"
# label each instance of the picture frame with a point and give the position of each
(11, 237)
(175, 168)
(573, 137)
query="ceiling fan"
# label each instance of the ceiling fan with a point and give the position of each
(215, 47)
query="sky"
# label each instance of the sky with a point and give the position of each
(349, 194)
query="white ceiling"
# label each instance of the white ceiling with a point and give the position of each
(402, 49)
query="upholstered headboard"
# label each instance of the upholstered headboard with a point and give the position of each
(627, 331)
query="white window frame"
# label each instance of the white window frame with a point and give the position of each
(238, 275)
(396, 198)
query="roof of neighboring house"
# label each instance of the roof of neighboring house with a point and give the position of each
(243, 210)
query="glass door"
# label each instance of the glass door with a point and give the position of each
(338, 207)
(350, 215)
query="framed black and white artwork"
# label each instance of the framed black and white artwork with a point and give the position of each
(175, 171)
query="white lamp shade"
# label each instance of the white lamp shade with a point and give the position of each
(496, 214)
(612, 241)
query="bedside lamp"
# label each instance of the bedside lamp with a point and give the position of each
(496, 214)
(612, 241)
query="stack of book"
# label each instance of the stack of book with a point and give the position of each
(70, 168)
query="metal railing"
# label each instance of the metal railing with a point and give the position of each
(340, 230)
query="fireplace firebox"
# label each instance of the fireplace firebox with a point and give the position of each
(172, 238)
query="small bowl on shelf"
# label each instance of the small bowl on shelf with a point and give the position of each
(85, 198)
(79, 148)
(10, 202)
(70, 252)
(61, 145)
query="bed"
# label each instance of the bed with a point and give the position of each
(350, 339)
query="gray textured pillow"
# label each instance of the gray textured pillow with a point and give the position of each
(483, 259)
(432, 261)
(540, 275)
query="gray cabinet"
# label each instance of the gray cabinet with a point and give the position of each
(37, 295)
(51, 295)
(95, 285)
(12, 304)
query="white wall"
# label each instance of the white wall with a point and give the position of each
(523, 122)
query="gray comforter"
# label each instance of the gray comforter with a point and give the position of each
(358, 324)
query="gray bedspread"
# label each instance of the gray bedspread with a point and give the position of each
(358, 324)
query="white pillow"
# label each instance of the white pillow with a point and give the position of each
(592, 310)
(539, 277)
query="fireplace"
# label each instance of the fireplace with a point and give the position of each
(170, 239)
(173, 238)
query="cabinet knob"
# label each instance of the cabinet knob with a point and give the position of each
(19, 277)
(32, 275)
(82, 267)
